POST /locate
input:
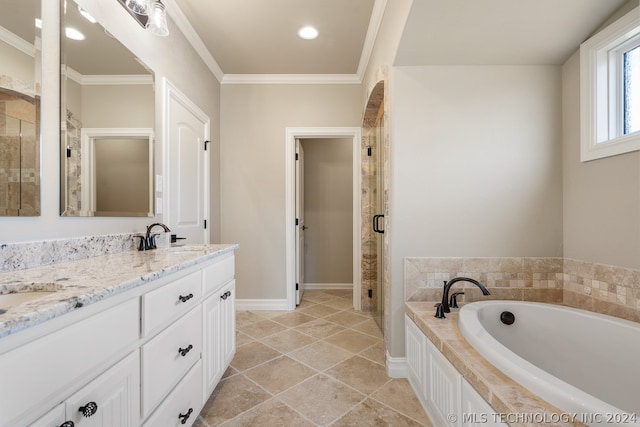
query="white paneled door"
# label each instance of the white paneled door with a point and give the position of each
(187, 167)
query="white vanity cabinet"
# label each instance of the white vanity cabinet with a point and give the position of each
(218, 322)
(446, 396)
(149, 356)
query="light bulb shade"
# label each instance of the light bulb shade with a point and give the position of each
(141, 7)
(158, 19)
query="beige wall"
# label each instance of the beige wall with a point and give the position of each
(254, 119)
(171, 57)
(476, 166)
(117, 106)
(328, 210)
(601, 197)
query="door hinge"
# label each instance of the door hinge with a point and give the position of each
(297, 286)
(205, 145)
(370, 293)
(205, 224)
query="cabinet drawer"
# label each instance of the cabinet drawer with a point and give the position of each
(218, 274)
(168, 302)
(168, 356)
(47, 368)
(184, 402)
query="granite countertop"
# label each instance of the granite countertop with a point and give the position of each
(503, 394)
(87, 281)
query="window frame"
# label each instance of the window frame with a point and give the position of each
(601, 90)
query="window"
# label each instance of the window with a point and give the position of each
(610, 90)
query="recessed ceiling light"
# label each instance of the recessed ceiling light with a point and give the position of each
(74, 34)
(308, 32)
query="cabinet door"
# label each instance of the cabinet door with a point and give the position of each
(416, 358)
(212, 343)
(443, 398)
(111, 400)
(228, 323)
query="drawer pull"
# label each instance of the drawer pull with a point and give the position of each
(89, 409)
(185, 417)
(67, 424)
(183, 351)
(185, 299)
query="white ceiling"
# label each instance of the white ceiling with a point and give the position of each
(490, 32)
(258, 37)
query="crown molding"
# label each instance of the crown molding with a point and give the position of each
(192, 37)
(372, 33)
(17, 42)
(300, 79)
(105, 80)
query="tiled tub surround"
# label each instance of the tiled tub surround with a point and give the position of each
(516, 278)
(585, 285)
(503, 394)
(589, 286)
(87, 281)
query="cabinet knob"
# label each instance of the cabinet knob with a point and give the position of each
(185, 298)
(184, 417)
(183, 351)
(67, 424)
(89, 409)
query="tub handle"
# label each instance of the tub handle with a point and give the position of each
(454, 302)
(439, 311)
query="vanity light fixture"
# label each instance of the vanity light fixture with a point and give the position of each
(308, 32)
(149, 14)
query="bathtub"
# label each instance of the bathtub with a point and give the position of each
(586, 364)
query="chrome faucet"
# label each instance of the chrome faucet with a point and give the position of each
(148, 241)
(443, 307)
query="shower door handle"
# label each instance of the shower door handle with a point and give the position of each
(376, 224)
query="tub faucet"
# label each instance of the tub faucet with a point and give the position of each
(443, 307)
(148, 241)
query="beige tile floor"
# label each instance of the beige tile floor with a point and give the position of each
(320, 365)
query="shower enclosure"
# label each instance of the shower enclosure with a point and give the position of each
(19, 154)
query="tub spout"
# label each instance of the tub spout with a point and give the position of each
(447, 287)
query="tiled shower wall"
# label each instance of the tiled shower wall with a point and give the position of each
(590, 286)
(19, 149)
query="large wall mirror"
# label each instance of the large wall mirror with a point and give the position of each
(107, 107)
(19, 108)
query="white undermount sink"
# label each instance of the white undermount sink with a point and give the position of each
(16, 294)
(10, 300)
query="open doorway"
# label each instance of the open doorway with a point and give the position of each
(325, 225)
(293, 230)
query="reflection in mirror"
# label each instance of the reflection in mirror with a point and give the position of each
(19, 108)
(118, 174)
(107, 106)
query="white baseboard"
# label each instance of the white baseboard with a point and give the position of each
(324, 286)
(261, 304)
(397, 367)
